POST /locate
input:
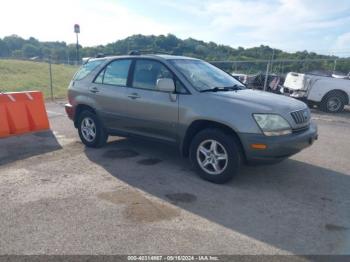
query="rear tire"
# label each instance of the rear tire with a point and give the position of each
(90, 129)
(215, 155)
(333, 102)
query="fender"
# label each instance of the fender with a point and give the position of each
(324, 85)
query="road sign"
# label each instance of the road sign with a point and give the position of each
(77, 28)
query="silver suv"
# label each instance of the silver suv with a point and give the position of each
(213, 118)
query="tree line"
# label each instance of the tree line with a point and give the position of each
(17, 47)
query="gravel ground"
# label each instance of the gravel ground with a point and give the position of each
(135, 197)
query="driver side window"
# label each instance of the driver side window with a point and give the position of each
(147, 72)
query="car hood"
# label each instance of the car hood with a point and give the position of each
(264, 101)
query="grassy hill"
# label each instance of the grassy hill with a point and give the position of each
(16, 75)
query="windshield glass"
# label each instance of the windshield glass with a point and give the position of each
(204, 76)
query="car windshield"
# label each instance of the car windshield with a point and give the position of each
(204, 76)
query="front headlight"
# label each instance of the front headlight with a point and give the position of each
(272, 125)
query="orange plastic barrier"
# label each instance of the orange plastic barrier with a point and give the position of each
(4, 124)
(22, 112)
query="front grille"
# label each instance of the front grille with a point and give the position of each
(301, 130)
(301, 116)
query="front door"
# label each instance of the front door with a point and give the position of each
(151, 112)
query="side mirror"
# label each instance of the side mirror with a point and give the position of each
(166, 85)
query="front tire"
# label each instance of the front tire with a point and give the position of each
(215, 155)
(91, 131)
(333, 102)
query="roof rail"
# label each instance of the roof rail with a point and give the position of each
(100, 55)
(148, 51)
(134, 52)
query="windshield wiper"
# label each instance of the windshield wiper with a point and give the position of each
(225, 88)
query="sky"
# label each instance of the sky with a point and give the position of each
(322, 26)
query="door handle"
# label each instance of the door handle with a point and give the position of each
(134, 96)
(94, 90)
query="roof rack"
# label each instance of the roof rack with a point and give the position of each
(134, 52)
(100, 55)
(148, 51)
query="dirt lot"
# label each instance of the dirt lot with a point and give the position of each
(133, 197)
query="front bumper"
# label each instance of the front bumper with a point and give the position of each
(297, 94)
(278, 147)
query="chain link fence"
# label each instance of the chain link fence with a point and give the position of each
(52, 76)
(259, 74)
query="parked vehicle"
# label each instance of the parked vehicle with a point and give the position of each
(329, 93)
(240, 77)
(341, 75)
(257, 81)
(212, 118)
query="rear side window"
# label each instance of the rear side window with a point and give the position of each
(87, 69)
(116, 73)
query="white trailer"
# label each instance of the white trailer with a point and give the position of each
(329, 93)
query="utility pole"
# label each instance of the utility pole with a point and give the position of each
(269, 64)
(77, 31)
(335, 66)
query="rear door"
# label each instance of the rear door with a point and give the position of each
(109, 89)
(151, 112)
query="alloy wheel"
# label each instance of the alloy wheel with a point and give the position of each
(88, 129)
(333, 104)
(212, 157)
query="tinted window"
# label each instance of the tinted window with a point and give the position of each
(116, 73)
(147, 72)
(87, 69)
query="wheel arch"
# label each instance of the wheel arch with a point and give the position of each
(80, 108)
(199, 125)
(342, 92)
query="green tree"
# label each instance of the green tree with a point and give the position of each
(17, 54)
(30, 50)
(18, 47)
(14, 42)
(4, 50)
